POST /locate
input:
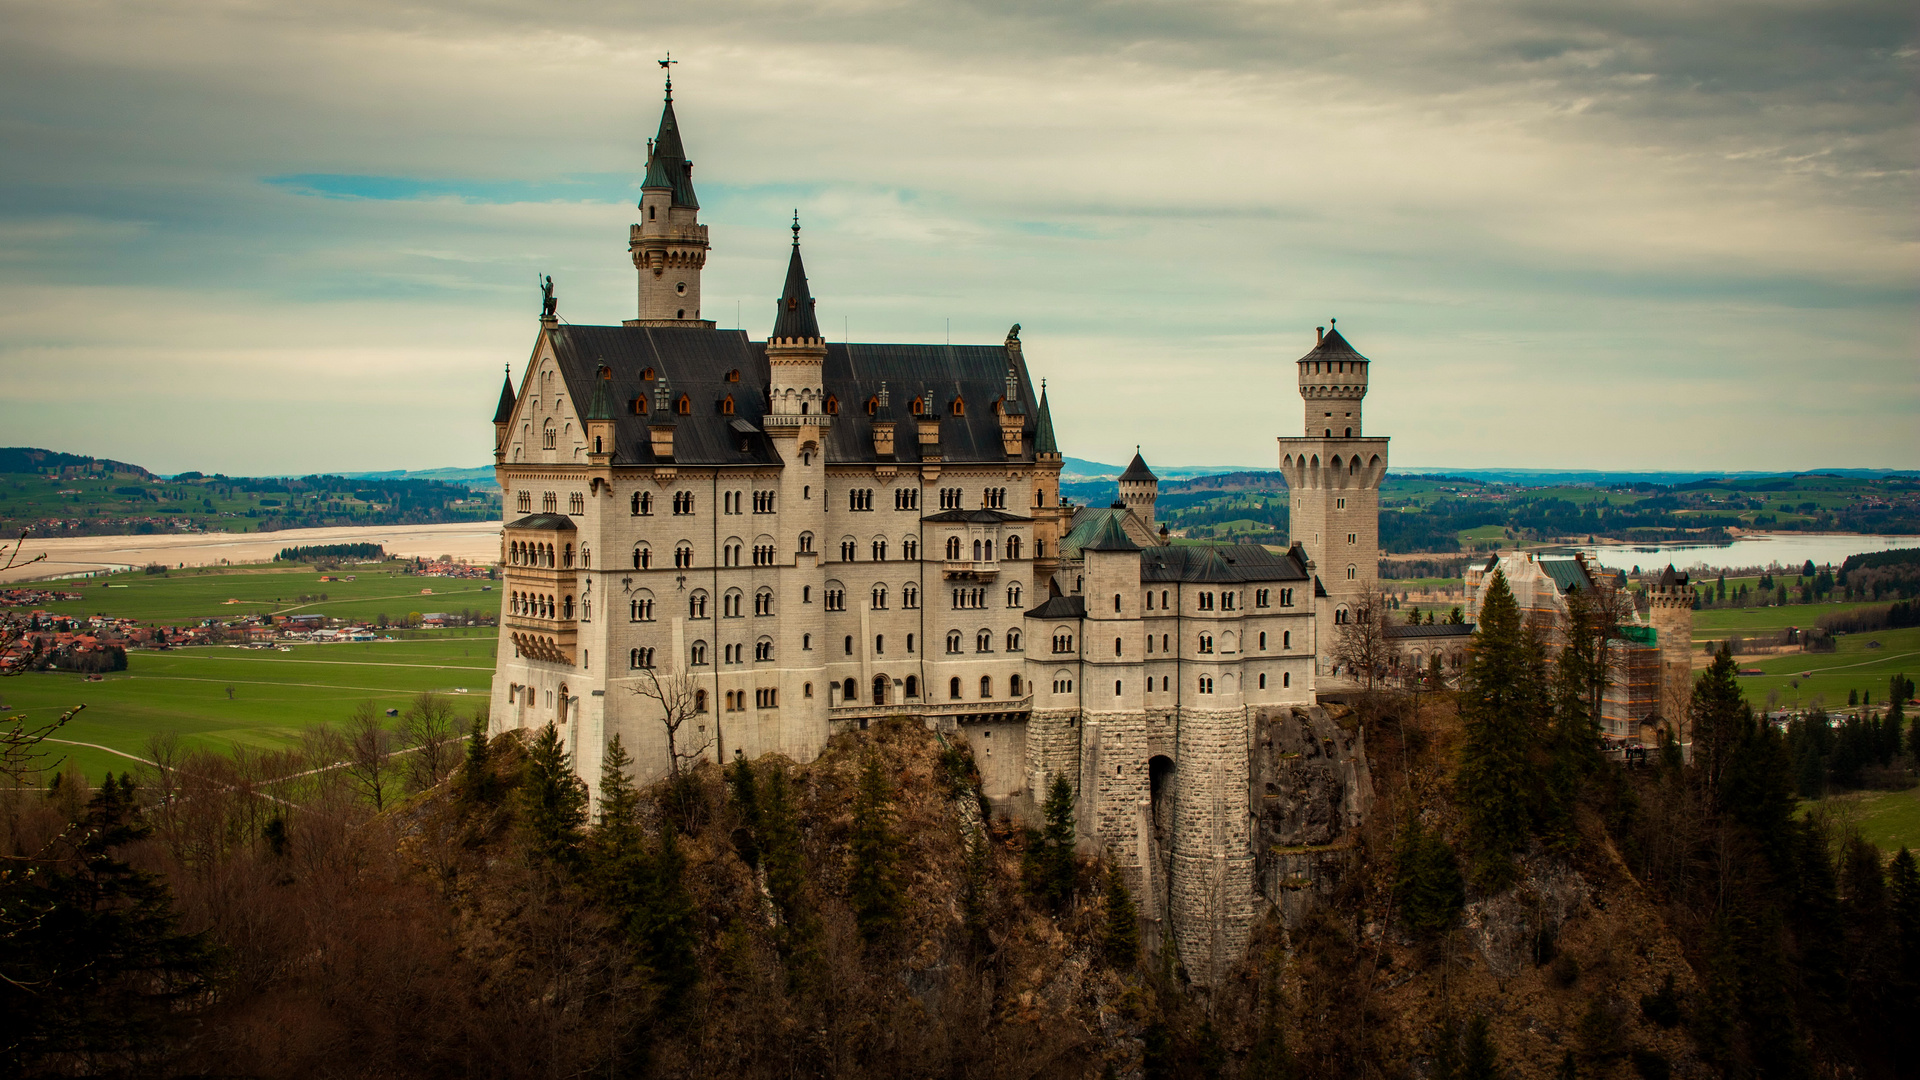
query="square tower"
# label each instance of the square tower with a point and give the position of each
(1333, 475)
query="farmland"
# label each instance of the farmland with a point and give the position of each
(276, 696)
(185, 596)
(1862, 663)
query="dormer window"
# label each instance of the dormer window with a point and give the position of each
(685, 407)
(833, 405)
(646, 374)
(726, 405)
(734, 375)
(873, 405)
(959, 407)
(917, 407)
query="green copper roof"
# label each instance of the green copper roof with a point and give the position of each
(601, 407)
(1110, 537)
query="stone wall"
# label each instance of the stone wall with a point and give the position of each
(1211, 866)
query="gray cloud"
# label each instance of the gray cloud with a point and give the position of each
(303, 235)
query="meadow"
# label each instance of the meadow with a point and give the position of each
(180, 597)
(1863, 663)
(276, 696)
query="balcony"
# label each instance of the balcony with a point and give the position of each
(552, 640)
(968, 570)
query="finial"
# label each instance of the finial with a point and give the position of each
(796, 227)
(1331, 322)
(666, 65)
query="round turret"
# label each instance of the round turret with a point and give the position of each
(1139, 489)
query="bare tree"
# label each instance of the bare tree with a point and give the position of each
(367, 749)
(680, 700)
(427, 729)
(1360, 645)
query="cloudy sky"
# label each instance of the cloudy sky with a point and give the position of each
(256, 236)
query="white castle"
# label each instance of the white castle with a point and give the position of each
(813, 536)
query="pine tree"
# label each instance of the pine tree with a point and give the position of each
(1426, 881)
(666, 921)
(615, 848)
(1122, 941)
(1050, 869)
(785, 862)
(1478, 1058)
(1500, 707)
(1715, 713)
(1903, 888)
(973, 894)
(553, 801)
(476, 777)
(746, 803)
(95, 971)
(873, 886)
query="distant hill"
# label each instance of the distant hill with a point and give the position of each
(28, 459)
(480, 479)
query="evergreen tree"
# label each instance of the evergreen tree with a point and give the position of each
(1501, 706)
(553, 801)
(1122, 942)
(1715, 713)
(1427, 888)
(873, 886)
(973, 894)
(746, 802)
(95, 972)
(785, 862)
(1050, 869)
(1903, 888)
(476, 777)
(666, 920)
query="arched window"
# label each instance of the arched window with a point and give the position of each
(953, 641)
(1352, 572)
(880, 686)
(879, 551)
(976, 551)
(1013, 547)
(1013, 686)
(1013, 641)
(1116, 603)
(699, 701)
(913, 686)
(697, 655)
(953, 688)
(806, 543)
(983, 641)
(1286, 639)
(1286, 679)
(1013, 595)
(1206, 643)
(1263, 680)
(697, 606)
(953, 549)
(879, 597)
(849, 692)
(986, 686)
(910, 595)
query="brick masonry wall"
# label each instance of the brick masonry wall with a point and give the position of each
(1212, 899)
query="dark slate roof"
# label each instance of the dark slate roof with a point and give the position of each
(1110, 537)
(695, 362)
(1061, 607)
(504, 413)
(1670, 577)
(667, 165)
(1043, 441)
(552, 522)
(1219, 562)
(794, 318)
(977, 517)
(1138, 470)
(1405, 631)
(1333, 347)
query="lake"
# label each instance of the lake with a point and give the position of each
(1785, 550)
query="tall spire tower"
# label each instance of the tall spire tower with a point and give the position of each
(1333, 478)
(795, 350)
(669, 244)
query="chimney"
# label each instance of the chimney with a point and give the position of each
(1319, 334)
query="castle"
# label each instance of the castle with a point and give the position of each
(806, 536)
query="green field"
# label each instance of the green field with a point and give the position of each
(276, 695)
(187, 596)
(1855, 665)
(1716, 624)
(1888, 819)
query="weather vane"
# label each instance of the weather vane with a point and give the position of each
(665, 65)
(796, 227)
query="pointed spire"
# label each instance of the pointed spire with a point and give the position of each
(504, 413)
(1043, 442)
(667, 164)
(795, 319)
(1137, 470)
